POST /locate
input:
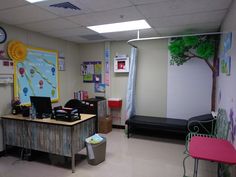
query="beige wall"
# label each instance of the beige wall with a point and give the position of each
(151, 99)
(68, 79)
(151, 78)
(118, 86)
(91, 52)
(151, 75)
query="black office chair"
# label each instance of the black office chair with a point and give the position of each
(73, 103)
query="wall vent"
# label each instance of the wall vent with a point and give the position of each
(65, 5)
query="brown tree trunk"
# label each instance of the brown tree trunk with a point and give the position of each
(213, 92)
(214, 74)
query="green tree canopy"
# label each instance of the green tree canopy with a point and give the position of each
(185, 48)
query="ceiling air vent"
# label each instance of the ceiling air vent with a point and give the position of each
(65, 5)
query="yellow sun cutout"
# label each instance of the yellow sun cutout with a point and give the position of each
(17, 51)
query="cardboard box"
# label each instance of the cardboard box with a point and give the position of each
(105, 125)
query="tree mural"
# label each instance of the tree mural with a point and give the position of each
(204, 48)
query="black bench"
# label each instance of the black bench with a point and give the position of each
(171, 125)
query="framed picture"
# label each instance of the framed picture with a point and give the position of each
(61, 64)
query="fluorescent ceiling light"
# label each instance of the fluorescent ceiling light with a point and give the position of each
(34, 1)
(123, 26)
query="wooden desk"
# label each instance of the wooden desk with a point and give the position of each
(48, 135)
(212, 149)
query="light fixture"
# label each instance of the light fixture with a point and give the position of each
(34, 1)
(123, 26)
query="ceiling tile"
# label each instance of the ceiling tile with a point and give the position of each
(6, 4)
(189, 29)
(181, 7)
(137, 2)
(62, 11)
(50, 25)
(111, 16)
(130, 34)
(101, 5)
(215, 16)
(70, 32)
(78, 39)
(73, 39)
(25, 14)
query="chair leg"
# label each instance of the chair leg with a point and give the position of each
(184, 166)
(195, 167)
(128, 132)
(222, 170)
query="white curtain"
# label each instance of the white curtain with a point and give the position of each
(130, 98)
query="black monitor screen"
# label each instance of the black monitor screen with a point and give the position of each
(42, 105)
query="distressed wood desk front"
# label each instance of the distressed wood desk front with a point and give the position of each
(48, 135)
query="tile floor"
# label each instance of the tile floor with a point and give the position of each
(139, 156)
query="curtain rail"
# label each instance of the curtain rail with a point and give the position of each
(167, 37)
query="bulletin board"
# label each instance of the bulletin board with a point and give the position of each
(37, 75)
(92, 71)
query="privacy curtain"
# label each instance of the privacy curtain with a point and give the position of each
(130, 98)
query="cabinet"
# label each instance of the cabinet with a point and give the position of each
(98, 106)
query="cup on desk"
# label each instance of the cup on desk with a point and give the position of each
(16, 109)
(25, 111)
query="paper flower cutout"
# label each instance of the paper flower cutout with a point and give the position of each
(17, 51)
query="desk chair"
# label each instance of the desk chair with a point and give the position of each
(73, 103)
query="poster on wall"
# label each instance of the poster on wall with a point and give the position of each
(226, 65)
(99, 87)
(92, 71)
(37, 75)
(107, 64)
(227, 42)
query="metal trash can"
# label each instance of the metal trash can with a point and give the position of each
(96, 153)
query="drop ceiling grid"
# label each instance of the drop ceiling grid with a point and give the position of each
(50, 25)
(165, 16)
(25, 14)
(111, 16)
(131, 34)
(189, 29)
(70, 32)
(7, 4)
(61, 12)
(173, 21)
(181, 7)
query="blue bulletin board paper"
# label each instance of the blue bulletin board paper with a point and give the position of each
(37, 75)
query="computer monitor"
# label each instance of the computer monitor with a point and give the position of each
(42, 105)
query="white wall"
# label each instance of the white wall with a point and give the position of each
(226, 86)
(189, 89)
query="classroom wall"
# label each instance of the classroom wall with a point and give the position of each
(226, 85)
(151, 76)
(189, 89)
(68, 79)
(90, 52)
(151, 98)
(118, 86)
(187, 94)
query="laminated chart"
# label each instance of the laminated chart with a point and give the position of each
(36, 74)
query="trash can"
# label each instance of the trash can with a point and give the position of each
(96, 153)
